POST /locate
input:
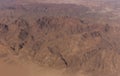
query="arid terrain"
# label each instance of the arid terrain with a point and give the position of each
(59, 38)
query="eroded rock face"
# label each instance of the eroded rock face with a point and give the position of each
(72, 44)
(3, 29)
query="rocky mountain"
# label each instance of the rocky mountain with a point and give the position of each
(81, 39)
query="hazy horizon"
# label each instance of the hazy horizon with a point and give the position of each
(61, 1)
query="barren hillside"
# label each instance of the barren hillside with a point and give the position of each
(78, 40)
